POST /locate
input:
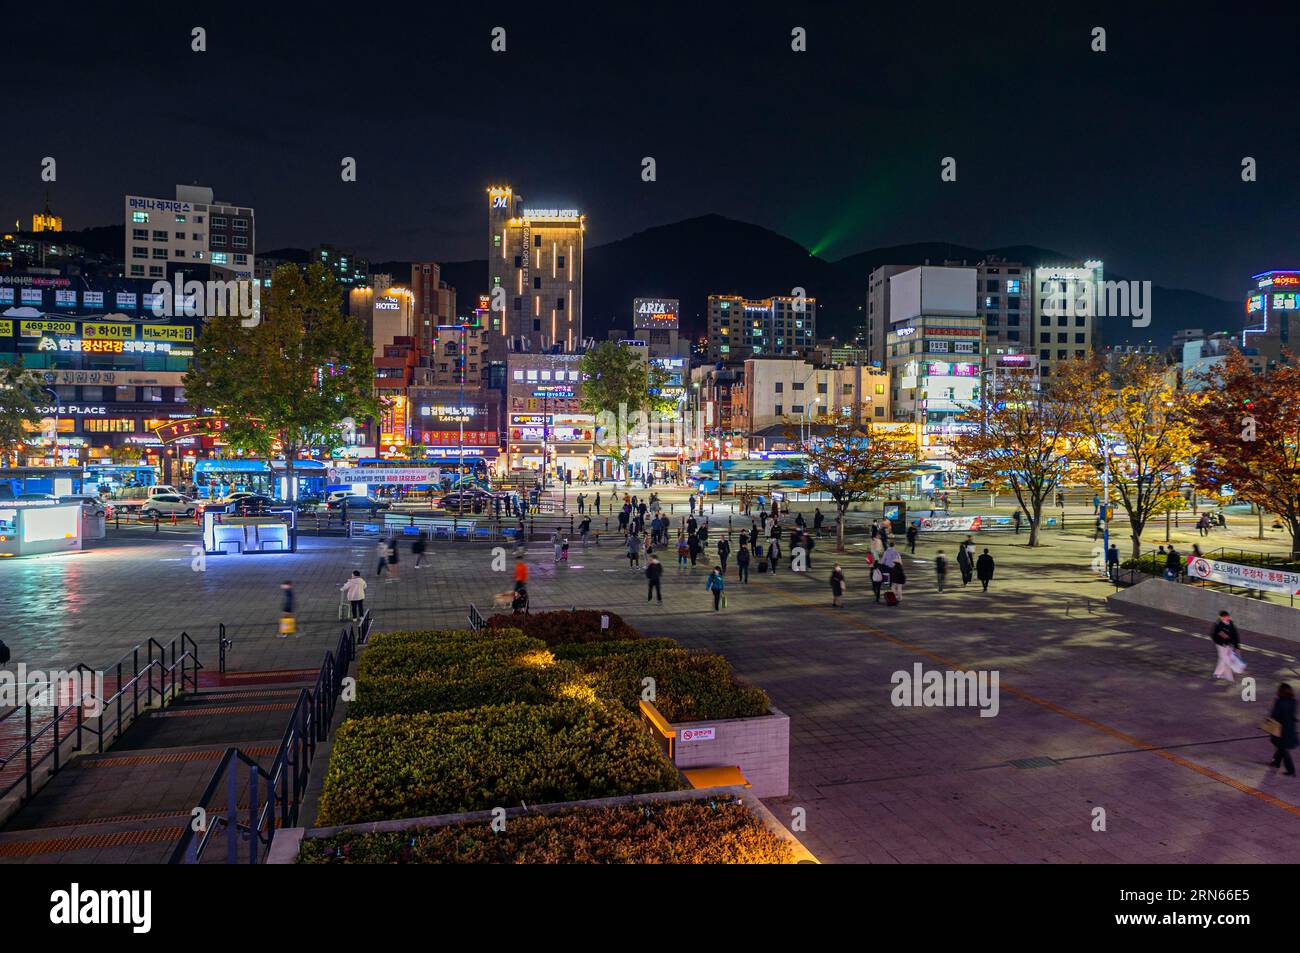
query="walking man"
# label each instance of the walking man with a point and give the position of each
(742, 564)
(724, 550)
(1284, 738)
(1226, 643)
(418, 548)
(382, 551)
(654, 571)
(984, 569)
(911, 539)
(940, 568)
(837, 586)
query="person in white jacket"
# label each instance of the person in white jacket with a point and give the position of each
(354, 590)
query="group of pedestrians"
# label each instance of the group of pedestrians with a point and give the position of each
(889, 576)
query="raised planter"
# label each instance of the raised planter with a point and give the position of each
(759, 747)
(288, 842)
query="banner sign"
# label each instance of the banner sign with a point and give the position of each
(1247, 577)
(190, 427)
(387, 475)
(950, 524)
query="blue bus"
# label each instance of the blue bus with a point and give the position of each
(217, 478)
(780, 471)
(114, 477)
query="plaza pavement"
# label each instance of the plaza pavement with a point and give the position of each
(1097, 709)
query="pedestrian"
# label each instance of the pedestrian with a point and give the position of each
(1281, 725)
(912, 533)
(633, 551)
(654, 571)
(970, 549)
(1226, 642)
(940, 568)
(597, 501)
(288, 625)
(564, 551)
(897, 579)
(382, 551)
(354, 591)
(1016, 519)
(1173, 564)
(984, 569)
(1112, 562)
(1096, 504)
(742, 564)
(584, 528)
(773, 554)
(582, 502)
(891, 557)
(418, 548)
(693, 545)
(818, 519)
(808, 546)
(837, 587)
(1099, 528)
(717, 585)
(724, 550)
(556, 542)
(683, 552)
(877, 580)
(692, 503)
(392, 558)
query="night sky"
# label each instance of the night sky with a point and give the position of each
(1132, 155)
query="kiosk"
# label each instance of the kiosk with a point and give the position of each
(34, 527)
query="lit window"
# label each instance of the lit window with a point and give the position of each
(139, 216)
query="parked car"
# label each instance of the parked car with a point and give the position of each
(244, 503)
(168, 504)
(131, 496)
(466, 501)
(354, 501)
(90, 505)
(38, 497)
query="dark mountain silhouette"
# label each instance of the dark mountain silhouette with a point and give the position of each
(711, 254)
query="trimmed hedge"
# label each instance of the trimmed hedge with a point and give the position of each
(463, 687)
(563, 628)
(416, 765)
(688, 686)
(438, 653)
(582, 651)
(721, 831)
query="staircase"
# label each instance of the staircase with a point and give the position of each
(134, 802)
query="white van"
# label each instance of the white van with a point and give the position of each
(137, 495)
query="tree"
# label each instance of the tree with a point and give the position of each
(618, 385)
(850, 462)
(21, 392)
(1135, 420)
(291, 378)
(1024, 435)
(1248, 433)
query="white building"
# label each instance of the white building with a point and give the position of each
(1065, 312)
(166, 235)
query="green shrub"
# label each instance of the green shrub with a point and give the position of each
(433, 652)
(398, 766)
(581, 651)
(688, 686)
(717, 831)
(492, 682)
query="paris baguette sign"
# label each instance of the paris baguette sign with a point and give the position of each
(1247, 577)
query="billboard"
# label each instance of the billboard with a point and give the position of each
(655, 313)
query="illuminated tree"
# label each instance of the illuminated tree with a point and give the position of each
(1248, 430)
(850, 462)
(291, 378)
(1021, 441)
(21, 392)
(1136, 420)
(621, 389)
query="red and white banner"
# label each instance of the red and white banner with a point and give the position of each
(950, 524)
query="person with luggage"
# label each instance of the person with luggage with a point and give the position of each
(1281, 726)
(717, 584)
(354, 591)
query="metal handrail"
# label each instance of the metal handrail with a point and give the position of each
(476, 620)
(285, 782)
(98, 728)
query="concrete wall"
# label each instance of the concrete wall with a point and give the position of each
(760, 747)
(1204, 605)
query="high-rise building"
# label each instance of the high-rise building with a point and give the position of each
(535, 255)
(935, 344)
(780, 326)
(1066, 315)
(1273, 315)
(435, 302)
(166, 235)
(876, 329)
(348, 270)
(46, 220)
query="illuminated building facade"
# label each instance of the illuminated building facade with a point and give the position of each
(1273, 316)
(740, 329)
(546, 428)
(535, 255)
(1066, 315)
(163, 235)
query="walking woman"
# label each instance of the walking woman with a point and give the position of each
(717, 585)
(837, 587)
(1282, 727)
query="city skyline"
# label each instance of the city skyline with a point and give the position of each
(841, 154)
